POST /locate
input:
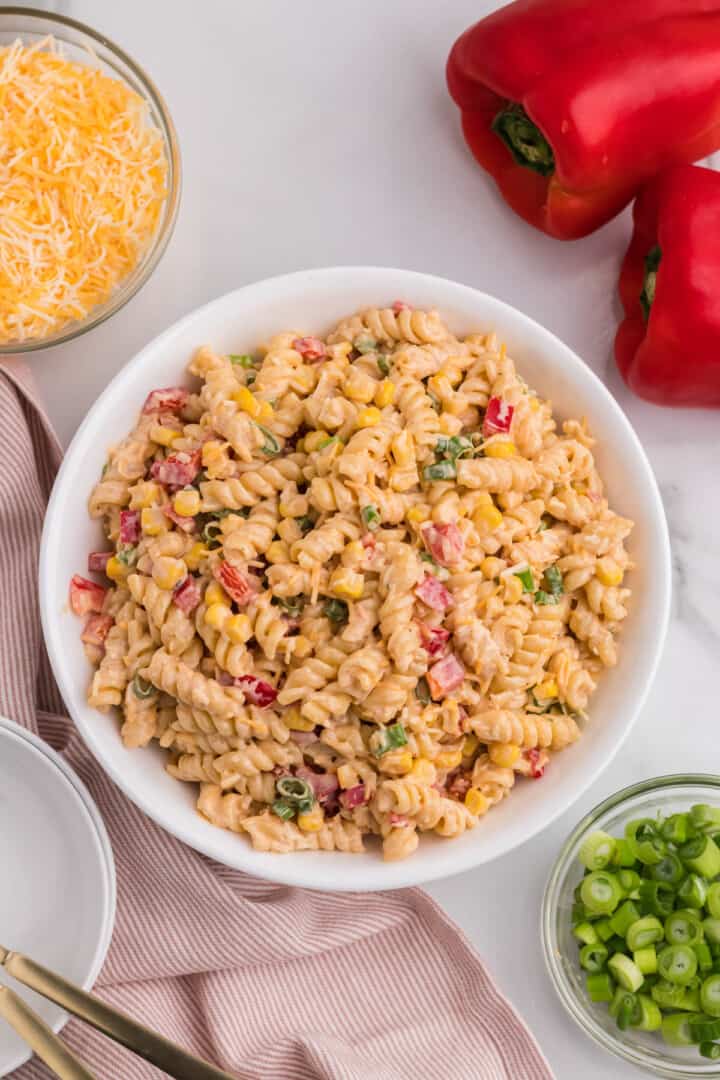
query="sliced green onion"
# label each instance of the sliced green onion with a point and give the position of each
(598, 848)
(704, 957)
(305, 523)
(650, 1018)
(626, 973)
(127, 554)
(284, 809)
(682, 929)
(669, 869)
(693, 891)
(542, 598)
(528, 585)
(364, 343)
(651, 850)
(676, 1029)
(645, 960)
(627, 914)
(586, 933)
(704, 1028)
(142, 689)
(553, 581)
(630, 880)
(644, 932)
(422, 691)
(713, 900)
(624, 855)
(603, 929)
(675, 829)
(638, 830)
(329, 441)
(704, 817)
(657, 898)
(336, 611)
(710, 1050)
(711, 929)
(392, 737)
(600, 987)
(600, 892)
(593, 957)
(293, 605)
(710, 995)
(271, 446)
(441, 470)
(677, 964)
(294, 790)
(382, 364)
(242, 359)
(702, 855)
(371, 517)
(667, 994)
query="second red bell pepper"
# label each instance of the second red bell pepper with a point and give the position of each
(668, 346)
(572, 105)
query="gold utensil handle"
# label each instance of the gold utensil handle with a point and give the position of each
(120, 1027)
(41, 1038)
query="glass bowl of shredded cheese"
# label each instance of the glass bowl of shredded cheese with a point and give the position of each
(89, 179)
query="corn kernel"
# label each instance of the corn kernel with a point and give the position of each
(403, 762)
(492, 566)
(403, 449)
(534, 404)
(187, 502)
(168, 572)
(278, 552)
(343, 348)
(476, 802)
(470, 746)
(385, 393)
(608, 572)
(448, 759)
(369, 417)
(346, 584)
(424, 771)
(501, 449)
(196, 555)
(417, 514)
(213, 452)
(347, 777)
(153, 521)
(579, 487)
(296, 721)
(144, 494)
(438, 384)
(504, 754)
(487, 518)
(215, 594)
(302, 646)
(238, 628)
(313, 439)
(312, 821)
(247, 401)
(546, 690)
(303, 380)
(165, 436)
(266, 412)
(115, 569)
(353, 553)
(216, 615)
(513, 589)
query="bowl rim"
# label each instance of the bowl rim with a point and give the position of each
(159, 244)
(389, 875)
(579, 1009)
(42, 749)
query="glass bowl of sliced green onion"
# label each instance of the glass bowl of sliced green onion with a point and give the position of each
(631, 925)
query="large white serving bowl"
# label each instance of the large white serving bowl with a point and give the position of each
(312, 301)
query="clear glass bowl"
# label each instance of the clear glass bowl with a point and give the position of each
(78, 42)
(664, 795)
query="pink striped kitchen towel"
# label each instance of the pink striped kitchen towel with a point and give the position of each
(266, 981)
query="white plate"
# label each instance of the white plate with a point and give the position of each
(57, 901)
(311, 301)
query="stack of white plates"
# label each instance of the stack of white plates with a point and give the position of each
(57, 892)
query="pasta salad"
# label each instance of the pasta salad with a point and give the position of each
(357, 586)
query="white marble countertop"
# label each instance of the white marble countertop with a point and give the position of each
(318, 133)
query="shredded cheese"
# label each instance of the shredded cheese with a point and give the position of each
(82, 186)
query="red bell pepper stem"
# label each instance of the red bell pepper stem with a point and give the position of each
(573, 105)
(668, 346)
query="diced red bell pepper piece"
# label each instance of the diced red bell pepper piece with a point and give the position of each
(86, 596)
(498, 417)
(400, 305)
(354, 796)
(311, 349)
(98, 560)
(256, 691)
(536, 769)
(444, 542)
(169, 399)
(187, 594)
(433, 639)
(177, 470)
(129, 526)
(433, 593)
(573, 105)
(668, 347)
(96, 629)
(398, 821)
(187, 524)
(445, 676)
(240, 587)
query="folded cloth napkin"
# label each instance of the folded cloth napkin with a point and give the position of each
(266, 981)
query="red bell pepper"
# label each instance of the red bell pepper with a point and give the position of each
(572, 105)
(668, 347)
